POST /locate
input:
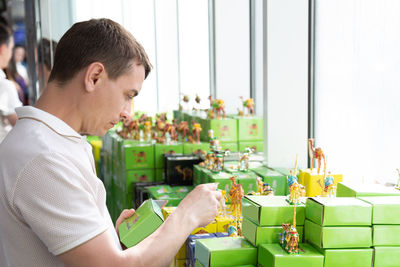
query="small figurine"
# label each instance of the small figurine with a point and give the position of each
(160, 126)
(147, 130)
(214, 145)
(330, 188)
(397, 186)
(196, 132)
(296, 189)
(249, 104)
(315, 153)
(244, 160)
(183, 130)
(236, 193)
(260, 186)
(218, 163)
(232, 231)
(218, 106)
(267, 190)
(289, 237)
(282, 235)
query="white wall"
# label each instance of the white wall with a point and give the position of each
(287, 82)
(56, 18)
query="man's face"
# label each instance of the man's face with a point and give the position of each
(113, 100)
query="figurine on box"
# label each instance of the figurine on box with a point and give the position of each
(236, 193)
(218, 106)
(330, 188)
(183, 130)
(232, 231)
(260, 186)
(249, 104)
(267, 190)
(289, 237)
(147, 130)
(315, 153)
(296, 189)
(196, 132)
(218, 163)
(214, 145)
(244, 160)
(283, 234)
(209, 161)
(186, 100)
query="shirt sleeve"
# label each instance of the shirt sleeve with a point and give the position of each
(57, 203)
(8, 97)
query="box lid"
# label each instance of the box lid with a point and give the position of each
(385, 210)
(225, 251)
(338, 211)
(271, 210)
(365, 190)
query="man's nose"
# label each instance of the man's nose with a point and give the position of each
(126, 112)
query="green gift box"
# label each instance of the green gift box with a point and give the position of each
(334, 211)
(264, 234)
(338, 236)
(365, 190)
(146, 219)
(357, 257)
(223, 180)
(225, 251)
(159, 175)
(225, 130)
(386, 257)
(197, 175)
(136, 155)
(386, 235)
(173, 199)
(231, 146)
(182, 190)
(276, 180)
(189, 148)
(250, 128)
(161, 149)
(274, 255)
(256, 146)
(158, 190)
(135, 176)
(271, 210)
(385, 210)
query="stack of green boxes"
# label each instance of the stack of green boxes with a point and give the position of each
(159, 151)
(250, 132)
(275, 179)
(365, 190)
(225, 130)
(340, 228)
(385, 229)
(174, 194)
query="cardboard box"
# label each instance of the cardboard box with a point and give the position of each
(271, 210)
(136, 155)
(222, 178)
(314, 183)
(159, 175)
(275, 179)
(338, 236)
(173, 199)
(386, 235)
(225, 130)
(158, 190)
(179, 169)
(248, 184)
(264, 234)
(163, 149)
(136, 176)
(225, 251)
(256, 146)
(201, 148)
(197, 175)
(143, 223)
(190, 247)
(385, 210)
(365, 190)
(182, 190)
(250, 128)
(274, 255)
(335, 211)
(386, 257)
(231, 146)
(359, 257)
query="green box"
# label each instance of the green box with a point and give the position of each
(386, 256)
(189, 148)
(182, 190)
(225, 251)
(161, 149)
(250, 128)
(385, 210)
(135, 176)
(257, 146)
(173, 199)
(144, 222)
(271, 210)
(137, 155)
(248, 184)
(365, 190)
(223, 180)
(264, 234)
(158, 190)
(225, 130)
(341, 211)
(274, 255)
(197, 175)
(231, 146)
(276, 180)
(159, 175)
(338, 236)
(386, 235)
(357, 257)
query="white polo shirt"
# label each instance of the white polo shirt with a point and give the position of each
(50, 197)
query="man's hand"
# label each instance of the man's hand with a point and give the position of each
(125, 214)
(201, 205)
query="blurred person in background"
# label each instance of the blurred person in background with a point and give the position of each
(8, 92)
(13, 75)
(19, 60)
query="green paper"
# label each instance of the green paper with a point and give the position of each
(274, 255)
(338, 211)
(385, 210)
(386, 235)
(338, 236)
(271, 210)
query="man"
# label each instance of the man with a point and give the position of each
(52, 205)
(8, 92)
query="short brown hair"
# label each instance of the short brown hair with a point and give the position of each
(97, 40)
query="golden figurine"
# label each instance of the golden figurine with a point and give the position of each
(249, 104)
(296, 189)
(289, 237)
(218, 107)
(235, 194)
(196, 132)
(315, 153)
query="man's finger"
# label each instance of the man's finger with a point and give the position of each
(211, 186)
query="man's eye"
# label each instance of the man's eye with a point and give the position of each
(131, 97)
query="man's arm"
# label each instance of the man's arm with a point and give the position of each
(198, 209)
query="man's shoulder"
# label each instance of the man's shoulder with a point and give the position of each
(6, 84)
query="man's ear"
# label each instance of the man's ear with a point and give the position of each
(94, 72)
